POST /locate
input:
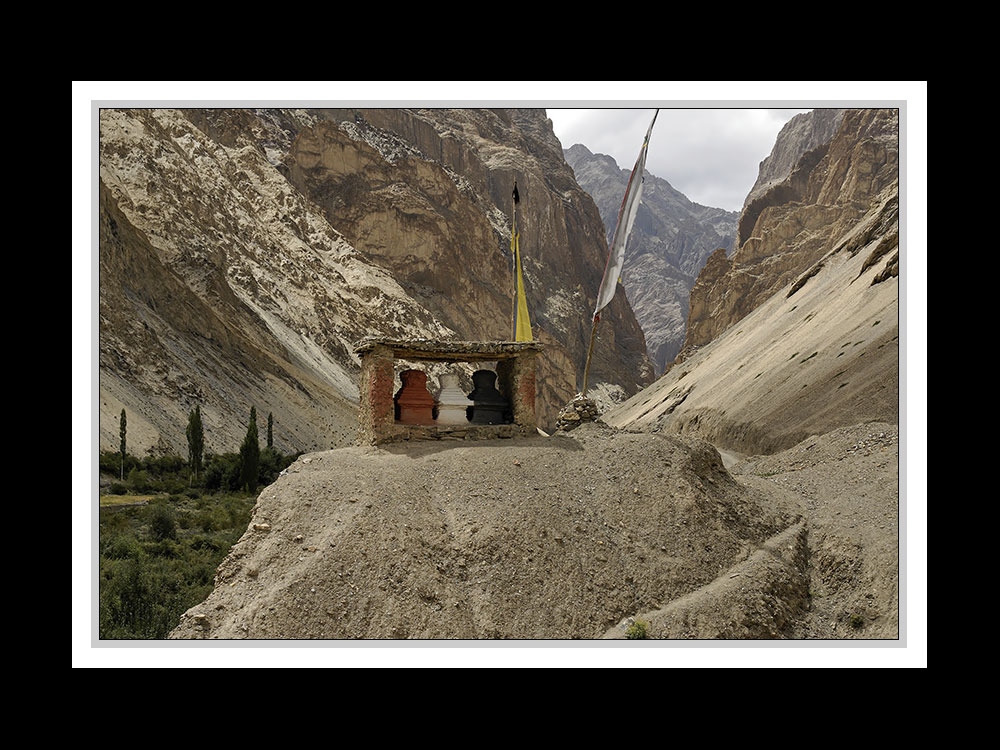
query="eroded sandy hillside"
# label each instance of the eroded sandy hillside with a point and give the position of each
(544, 538)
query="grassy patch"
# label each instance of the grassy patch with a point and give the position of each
(112, 500)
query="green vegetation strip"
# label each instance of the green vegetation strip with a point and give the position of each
(163, 532)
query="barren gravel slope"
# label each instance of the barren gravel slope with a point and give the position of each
(572, 536)
(543, 538)
(847, 485)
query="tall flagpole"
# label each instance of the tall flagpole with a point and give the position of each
(590, 350)
(513, 267)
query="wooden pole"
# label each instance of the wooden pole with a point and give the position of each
(590, 350)
(513, 275)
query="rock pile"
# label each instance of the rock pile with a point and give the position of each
(581, 409)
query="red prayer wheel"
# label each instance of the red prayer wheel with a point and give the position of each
(414, 403)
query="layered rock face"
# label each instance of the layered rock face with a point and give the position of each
(810, 193)
(669, 244)
(242, 252)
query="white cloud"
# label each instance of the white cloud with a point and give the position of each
(711, 155)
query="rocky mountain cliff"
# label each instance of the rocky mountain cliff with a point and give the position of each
(798, 333)
(669, 244)
(242, 252)
(827, 170)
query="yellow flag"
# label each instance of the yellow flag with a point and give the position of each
(523, 329)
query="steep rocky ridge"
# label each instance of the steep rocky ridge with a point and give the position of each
(795, 216)
(820, 354)
(804, 132)
(242, 252)
(670, 241)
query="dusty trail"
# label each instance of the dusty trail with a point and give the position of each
(846, 484)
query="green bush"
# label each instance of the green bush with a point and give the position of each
(122, 547)
(637, 630)
(163, 465)
(110, 462)
(166, 547)
(173, 485)
(273, 463)
(162, 522)
(204, 543)
(222, 472)
(206, 520)
(117, 488)
(112, 523)
(138, 480)
(127, 602)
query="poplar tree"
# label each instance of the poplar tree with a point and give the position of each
(121, 431)
(270, 432)
(196, 440)
(250, 455)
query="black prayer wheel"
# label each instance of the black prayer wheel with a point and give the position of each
(488, 405)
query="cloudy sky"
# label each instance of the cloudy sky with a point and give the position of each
(710, 155)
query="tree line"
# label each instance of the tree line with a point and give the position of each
(226, 471)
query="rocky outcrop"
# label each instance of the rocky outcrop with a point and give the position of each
(790, 222)
(244, 251)
(803, 133)
(670, 241)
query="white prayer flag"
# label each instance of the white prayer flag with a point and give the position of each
(626, 217)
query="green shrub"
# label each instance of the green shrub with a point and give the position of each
(117, 488)
(110, 462)
(162, 522)
(207, 521)
(637, 630)
(112, 522)
(172, 485)
(164, 548)
(122, 547)
(204, 543)
(222, 472)
(163, 465)
(138, 480)
(273, 463)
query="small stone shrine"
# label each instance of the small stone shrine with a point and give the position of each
(513, 382)
(452, 405)
(414, 403)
